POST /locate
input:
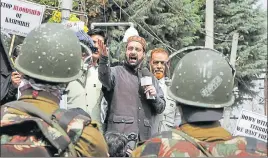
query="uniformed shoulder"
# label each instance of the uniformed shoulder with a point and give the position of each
(92, 143)
(238, 146)
(167, 144)
(7, 113)
(171, 144)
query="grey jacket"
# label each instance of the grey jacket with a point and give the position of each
(128, 109)
(170, 117)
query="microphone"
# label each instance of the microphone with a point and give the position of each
(146, 80)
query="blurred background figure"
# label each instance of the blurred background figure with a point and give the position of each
(10, 78)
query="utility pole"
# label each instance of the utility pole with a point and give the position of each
(234, 49)
(66, 8)
(209, 41)
(266, 94)
(228, 110)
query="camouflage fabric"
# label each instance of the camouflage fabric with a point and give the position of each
(17, 143)
(43, 139)
(171, 144)
(76, 125)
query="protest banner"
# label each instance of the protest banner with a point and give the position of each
(20, 17)
(251, 124)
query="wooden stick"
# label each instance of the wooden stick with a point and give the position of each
(11, 48)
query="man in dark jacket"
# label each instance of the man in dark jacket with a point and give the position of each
(128, 109)
(10, 79)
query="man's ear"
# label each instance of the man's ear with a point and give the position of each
(168, 64)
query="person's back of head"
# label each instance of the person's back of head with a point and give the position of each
(117, 143)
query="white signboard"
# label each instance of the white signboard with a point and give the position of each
(20, 17)
(75, 25)
(252, 125)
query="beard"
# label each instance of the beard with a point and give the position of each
(159, 75)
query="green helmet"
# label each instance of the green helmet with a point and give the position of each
(203, 78)
(50, 53)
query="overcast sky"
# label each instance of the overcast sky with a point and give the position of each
(264, 3)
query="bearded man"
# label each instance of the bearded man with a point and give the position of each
(128, 109)
(171, 115)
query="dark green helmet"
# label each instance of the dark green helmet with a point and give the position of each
(203, 78)
(50, 53)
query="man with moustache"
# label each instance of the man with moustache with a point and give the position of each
(128, 109)
(171, 115)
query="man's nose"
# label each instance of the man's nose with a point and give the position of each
(159, 65)
(133, 53)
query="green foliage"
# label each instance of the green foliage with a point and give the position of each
(247, 19)
(163, 23)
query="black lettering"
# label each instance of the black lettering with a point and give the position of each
(18, 15)
(250, 132)
(258, 128)
(261, 122)
(6, 5)
(244, 117)
(264, 137)
(14, 21)
(240, 129)
(248, 118)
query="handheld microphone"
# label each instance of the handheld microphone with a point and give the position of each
(146, 80)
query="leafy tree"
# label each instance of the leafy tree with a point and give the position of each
(248, 19)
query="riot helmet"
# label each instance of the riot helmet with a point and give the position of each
(51, 52)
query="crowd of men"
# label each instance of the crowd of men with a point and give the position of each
(63, 97)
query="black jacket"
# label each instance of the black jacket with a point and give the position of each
(128, 109)
(8, 91)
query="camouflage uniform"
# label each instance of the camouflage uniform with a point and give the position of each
(35, 126)
(202, 85)
(171, 144)
(91, 142)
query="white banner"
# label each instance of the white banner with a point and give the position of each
(20, 17)
(252, 125)
(75, 25)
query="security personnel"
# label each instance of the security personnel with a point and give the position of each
(202, 86)
(50, 58)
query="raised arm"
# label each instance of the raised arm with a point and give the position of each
(105, 73)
